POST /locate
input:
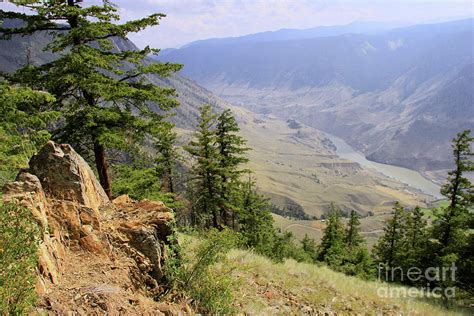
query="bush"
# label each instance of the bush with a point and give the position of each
(19, 235)
(193, 275)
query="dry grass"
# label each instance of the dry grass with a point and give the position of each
(266, 287)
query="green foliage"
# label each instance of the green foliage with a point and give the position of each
(19, 235)
(345, 250)
(450, 234)
(331, 249)
(409, 242)
(166, 156)
(213, 291)
(205, 182)
(255, 221)
(415, 242)
(101, 92)
(285, 246)
(23, 125)
(231, 149)
(352, 237)
(389, 248)
(310, 248)
(142, 183)
(358, 262)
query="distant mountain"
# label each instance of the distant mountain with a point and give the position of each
(399, 95)
(294, 34)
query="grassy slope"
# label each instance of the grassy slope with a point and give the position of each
(265, 287)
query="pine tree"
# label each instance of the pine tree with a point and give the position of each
(451, 230)
(255, 220)
(206, 180)
(353, 238)
(101, 91)
(231, 149)
(331, 249)
(413, 246)
(416, 239)
(459, 191)
(166, 156)
(356, 259)
(24, 116)
(309, 247)
(389, 247)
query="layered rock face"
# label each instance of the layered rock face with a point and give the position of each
(95, 253)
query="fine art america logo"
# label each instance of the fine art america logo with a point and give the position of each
(432, 276)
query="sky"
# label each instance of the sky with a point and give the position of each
(190, 20)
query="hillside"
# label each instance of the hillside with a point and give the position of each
(263, 287)
(399, 96)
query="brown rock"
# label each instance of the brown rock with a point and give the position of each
(27, 191)
(122, 200)
(47, 264)
(65, 175)
(93, 244)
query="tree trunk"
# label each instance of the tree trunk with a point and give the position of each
(102, 166)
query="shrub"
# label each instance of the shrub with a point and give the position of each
(19, 235)
(193, 275)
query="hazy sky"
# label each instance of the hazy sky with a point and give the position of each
(189, 20)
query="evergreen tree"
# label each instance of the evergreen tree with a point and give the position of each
(415, 242)
(357, 260)
(353, 237)
(331, 249)
(101, 92)
(206, 180)
(24, 116)
(166, 156)
(231, 149)
(460, 193)
(255, 220)
(309, 247)
(451, 229)
(390, 246)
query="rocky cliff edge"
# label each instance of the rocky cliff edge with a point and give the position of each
(95, 256)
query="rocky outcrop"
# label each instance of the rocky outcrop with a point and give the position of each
(66, 176)
(89, 239)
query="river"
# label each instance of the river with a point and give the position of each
(407, 176)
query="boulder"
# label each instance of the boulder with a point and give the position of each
(145, 226)
(65, 175)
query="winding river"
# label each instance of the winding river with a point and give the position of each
(407, 176)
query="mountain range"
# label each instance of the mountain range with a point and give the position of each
(398, 95)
